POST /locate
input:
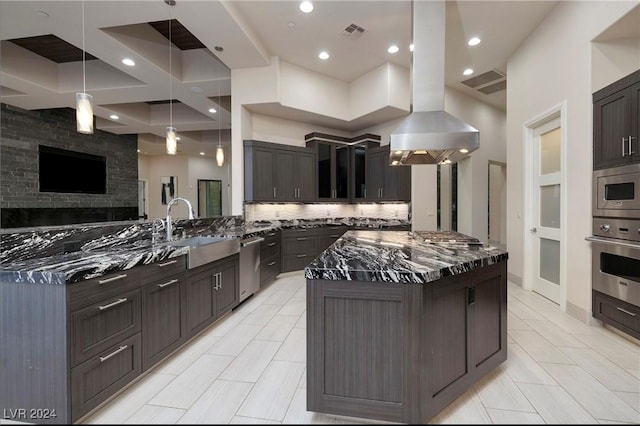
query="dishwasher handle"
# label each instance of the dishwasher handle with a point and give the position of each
(251, 241)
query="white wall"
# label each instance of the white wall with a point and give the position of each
(552, 66)
(188, 170)
(287, 132)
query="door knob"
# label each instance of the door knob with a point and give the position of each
(533, 230)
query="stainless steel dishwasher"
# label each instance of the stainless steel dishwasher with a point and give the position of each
(249, 266)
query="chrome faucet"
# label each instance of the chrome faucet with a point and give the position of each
(171, 203)
(155, 232)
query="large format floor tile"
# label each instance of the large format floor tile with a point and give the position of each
(250, 368)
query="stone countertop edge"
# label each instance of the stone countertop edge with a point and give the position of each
(400, 257)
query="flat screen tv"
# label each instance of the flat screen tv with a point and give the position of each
(71, 171)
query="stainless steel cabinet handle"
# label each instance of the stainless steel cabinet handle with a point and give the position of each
(534, 230)
(625, 311)
(271, 234)
(271, 263)
(301, 239)
(334, 236)
(116, 278)
(171, 262)
(365, 193)
(623, 142)
(274, 192)
(302, 255)
(114, 353)
(271, 244)
(167, 283)
(631, 138)
(111, 305)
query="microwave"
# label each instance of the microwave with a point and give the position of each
(616, 192)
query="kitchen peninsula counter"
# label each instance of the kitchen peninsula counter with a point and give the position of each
(399, 324)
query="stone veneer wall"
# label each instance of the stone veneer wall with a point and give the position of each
(21, 133)
(255, 212)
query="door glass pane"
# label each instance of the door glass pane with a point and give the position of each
(209, 198)
(550, 206)
(550, 152)
(359, 172)
(324, 170)
(550, 260)
(342, 171)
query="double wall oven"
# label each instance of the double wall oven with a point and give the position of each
(616, 247)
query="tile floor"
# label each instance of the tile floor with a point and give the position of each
(250, 368)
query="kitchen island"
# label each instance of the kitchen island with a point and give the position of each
(399, 324)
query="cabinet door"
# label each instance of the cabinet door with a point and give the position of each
(611, 123)
(375, 175)
(227, 293)
(305, 180)
(201, 304)
(485, 333)
(341, 172)
(164, 318)
(359, 172)
(635, 123)
(324, 182)
(284, 172)
(263, 178)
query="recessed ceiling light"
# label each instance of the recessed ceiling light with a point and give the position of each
(128, 62)
(474, 41)
(468, 71)
(212, 110)
(197, 89)
(114, 117)
(291, 24)
(393, 49)
(323, 55)
(411, 47)
(306, 7)
(202, 153)
(464, 150)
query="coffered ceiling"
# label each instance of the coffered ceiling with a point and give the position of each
(42, 42)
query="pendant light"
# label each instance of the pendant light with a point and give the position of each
(84, 101)
(172, 143)
(219, 150)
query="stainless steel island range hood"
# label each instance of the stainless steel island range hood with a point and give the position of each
(429, 135)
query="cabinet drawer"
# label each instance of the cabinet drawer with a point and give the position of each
(101, 325)
(269, 249)
(101, 376)
(297, 262)
(270, 236)
(335, 231)
(299, 245)
(97, 289)
(162, 269)
(269, 268)
(299, 232)
(617, 313)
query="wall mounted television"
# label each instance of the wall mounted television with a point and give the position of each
(71, 171)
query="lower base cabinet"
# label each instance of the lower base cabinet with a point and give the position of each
(617, 313)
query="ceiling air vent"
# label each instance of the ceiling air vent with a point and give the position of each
(353, 31)
(487, 83)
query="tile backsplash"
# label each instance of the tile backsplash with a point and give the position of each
(255, 212)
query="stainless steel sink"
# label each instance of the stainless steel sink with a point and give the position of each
(203, 250)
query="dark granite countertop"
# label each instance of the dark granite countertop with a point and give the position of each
(402, 257)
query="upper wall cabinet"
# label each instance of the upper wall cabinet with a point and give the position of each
(616, 123)
(278, 173)
(386, 182)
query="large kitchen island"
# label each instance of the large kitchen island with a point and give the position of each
(399, 324)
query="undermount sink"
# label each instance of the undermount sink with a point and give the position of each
(203, 250)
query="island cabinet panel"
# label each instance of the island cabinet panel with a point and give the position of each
(164, 318)
(402, 352)
(228, 290)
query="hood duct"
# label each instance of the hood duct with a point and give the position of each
(429, 135)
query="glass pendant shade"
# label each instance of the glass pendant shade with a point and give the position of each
(220, 156)
(172, 143)
(84, 113)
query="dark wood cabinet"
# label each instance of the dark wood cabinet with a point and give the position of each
(164, 316)
(270, 256)
(384, 181)
(276, 172)
(299, 248)
(616, 123)
(332, 170)
(617, 313)
(212, 290)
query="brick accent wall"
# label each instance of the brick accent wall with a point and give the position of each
(21, 133)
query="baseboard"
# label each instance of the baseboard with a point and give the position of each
(516, 279)
(582, 314)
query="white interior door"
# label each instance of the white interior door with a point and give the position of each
(546, 190)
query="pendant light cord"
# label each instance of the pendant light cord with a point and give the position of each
(170, 76)
(84, 73)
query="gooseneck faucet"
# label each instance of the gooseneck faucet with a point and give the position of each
(171, 203)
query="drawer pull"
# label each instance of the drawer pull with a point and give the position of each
(271, 263)
(114, 353)
(625, 311)
(334, 236)
(301, 255)
(116, 278)
(111, 305)
(171, 262)
(271, 244)
(167, 283)
(271, 234)
(301, 239)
